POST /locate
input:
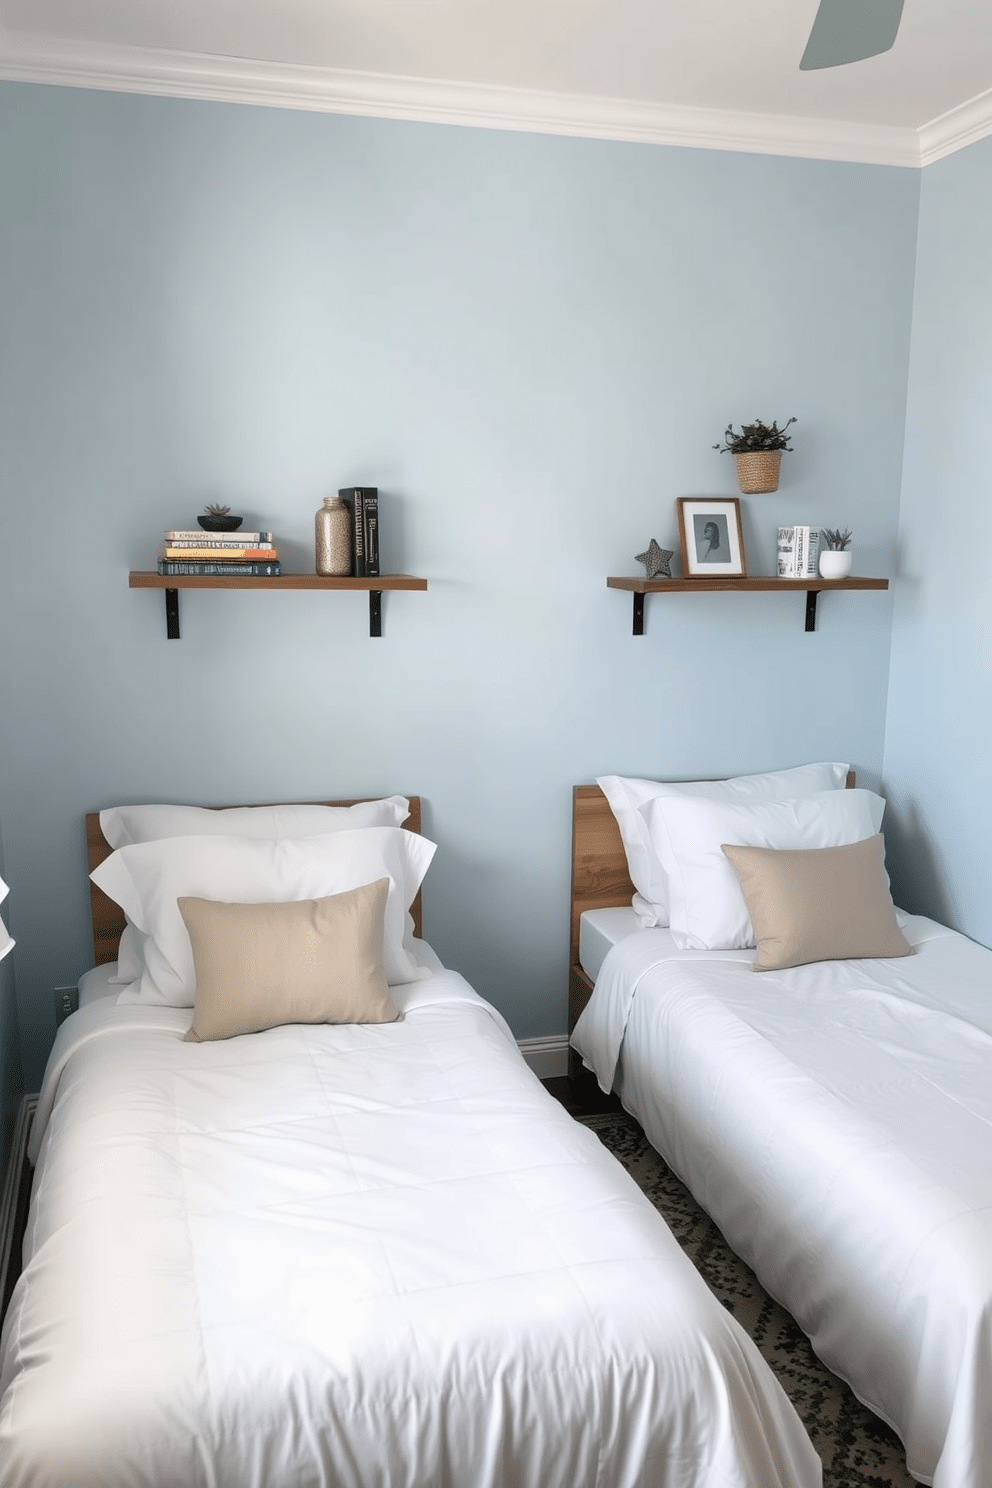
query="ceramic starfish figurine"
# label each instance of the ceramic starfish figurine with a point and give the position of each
(657, 561)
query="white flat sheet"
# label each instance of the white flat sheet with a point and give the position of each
(599, 932)
(96, 983)
(366, 1257)
(836, 1121)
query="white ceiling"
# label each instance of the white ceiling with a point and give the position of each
(722, 73)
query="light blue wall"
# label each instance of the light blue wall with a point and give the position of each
(939, 731)
(530, 345)
(11, 1076)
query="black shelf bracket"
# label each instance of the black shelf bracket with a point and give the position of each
(172, 614)
(638, 597)
(375, 613)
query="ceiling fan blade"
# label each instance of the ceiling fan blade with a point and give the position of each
(849, 31)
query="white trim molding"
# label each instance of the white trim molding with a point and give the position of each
(423, 100)
(547, 1057)
(957, 129)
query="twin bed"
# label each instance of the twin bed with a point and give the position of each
(351, 1253)
(835, 1119)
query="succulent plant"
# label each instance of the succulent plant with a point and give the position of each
(217, 511)
(835, 539)
(756, 436)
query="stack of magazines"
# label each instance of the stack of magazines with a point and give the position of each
(187, 551)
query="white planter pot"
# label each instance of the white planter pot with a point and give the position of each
(835, 563)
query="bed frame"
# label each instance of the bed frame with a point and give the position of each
(108, 917)
(599, 881)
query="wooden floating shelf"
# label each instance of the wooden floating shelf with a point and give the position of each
(373, 585)
(811, 587)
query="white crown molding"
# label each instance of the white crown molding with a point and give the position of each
(955, 130)
(236, 80)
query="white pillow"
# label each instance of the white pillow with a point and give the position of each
(148, 879)
(627, 795)
(130, 955)
(123, 826)
(707, 905)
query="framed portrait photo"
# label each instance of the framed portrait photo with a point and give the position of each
(712, 537)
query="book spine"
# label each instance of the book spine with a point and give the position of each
(358, 530)
(802, 544)
(230, 555)
(786, 559)
(370, 509)
(204, 538)
(353, 498)
(174, 568)
(813, 552)
(213, 545)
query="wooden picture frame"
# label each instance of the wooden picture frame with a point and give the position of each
(712, 537)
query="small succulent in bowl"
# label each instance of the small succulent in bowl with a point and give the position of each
(756, 436)
(219, 519)
(836, 540)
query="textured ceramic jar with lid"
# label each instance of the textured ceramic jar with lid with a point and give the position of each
(332, 538)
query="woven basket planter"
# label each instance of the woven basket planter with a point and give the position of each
(757, 470)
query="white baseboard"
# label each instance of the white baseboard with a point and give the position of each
(547, 1057)
(12, 1188)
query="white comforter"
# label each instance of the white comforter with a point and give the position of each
(836, 1121)
(366, 1257)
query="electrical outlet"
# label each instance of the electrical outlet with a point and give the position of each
(66, 1002)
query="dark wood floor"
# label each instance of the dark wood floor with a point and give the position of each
(581, 1096)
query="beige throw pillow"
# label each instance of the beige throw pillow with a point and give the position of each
(308, 961)
(818, 903)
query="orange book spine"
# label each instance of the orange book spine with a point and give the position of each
(222, 555)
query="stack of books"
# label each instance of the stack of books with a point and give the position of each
(188, 551)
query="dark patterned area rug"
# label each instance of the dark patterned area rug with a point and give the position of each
(856, 1448)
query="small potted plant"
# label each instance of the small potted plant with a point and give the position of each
(835, 555)
(757, 451)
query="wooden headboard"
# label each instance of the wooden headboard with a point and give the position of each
(108, 917)
(599, 864)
